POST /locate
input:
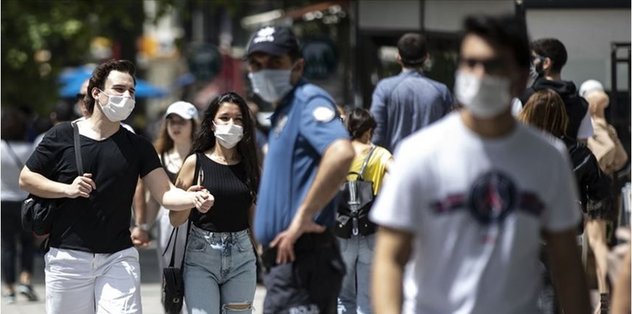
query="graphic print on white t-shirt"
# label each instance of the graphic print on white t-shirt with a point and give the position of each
(492, 196)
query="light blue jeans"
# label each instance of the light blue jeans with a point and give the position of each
(357, 253)
(219, 272)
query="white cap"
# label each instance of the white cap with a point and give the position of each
(184, 109)
(590, 86)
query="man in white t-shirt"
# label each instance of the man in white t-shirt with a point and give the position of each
(471, 197)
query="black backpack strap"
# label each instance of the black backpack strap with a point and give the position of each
(77, 144)
(79, 163)
(366, 162)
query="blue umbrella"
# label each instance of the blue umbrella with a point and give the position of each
(71, 83)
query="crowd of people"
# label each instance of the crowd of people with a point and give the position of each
(420, 203)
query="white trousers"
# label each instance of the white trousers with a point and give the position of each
(81, 282)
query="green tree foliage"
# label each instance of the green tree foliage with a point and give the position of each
(41, 37)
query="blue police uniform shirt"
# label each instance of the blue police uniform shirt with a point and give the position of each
(302, 127)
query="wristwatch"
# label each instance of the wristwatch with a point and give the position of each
(144, 227)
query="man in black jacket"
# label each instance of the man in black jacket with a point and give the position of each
(548, 57)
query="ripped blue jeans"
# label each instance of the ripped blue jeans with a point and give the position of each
(219, 272)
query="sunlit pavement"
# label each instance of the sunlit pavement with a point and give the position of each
(150, 289)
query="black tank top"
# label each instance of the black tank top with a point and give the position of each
(232, 197)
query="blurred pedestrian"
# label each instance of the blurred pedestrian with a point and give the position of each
(548, 57)
(545, 110)
(309, 153)
(409, 101)
(173, 146)
(469, 199)
(15, 150)
(356, 234)
(219, 269)
(92, 265)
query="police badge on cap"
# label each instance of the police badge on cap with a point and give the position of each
(274, 40)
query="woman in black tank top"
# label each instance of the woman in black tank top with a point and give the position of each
(219, 267)
(173, 145)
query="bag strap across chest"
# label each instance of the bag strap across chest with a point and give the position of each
(360, 174)
(77, 144)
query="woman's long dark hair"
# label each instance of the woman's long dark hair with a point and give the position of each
(205, 138)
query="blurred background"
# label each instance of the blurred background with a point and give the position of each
(193, 49)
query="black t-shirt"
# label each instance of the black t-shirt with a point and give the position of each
(232, 197)
(99, 224)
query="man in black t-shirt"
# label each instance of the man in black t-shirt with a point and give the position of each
(92, 265)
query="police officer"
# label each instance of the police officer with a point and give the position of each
(308, 156)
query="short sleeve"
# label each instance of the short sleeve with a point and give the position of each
(402, 198)
(148, 156)
(321, 124)
(46, 154)
(561, 205)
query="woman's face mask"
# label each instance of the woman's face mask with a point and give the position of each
(118, 108)
(228, 135)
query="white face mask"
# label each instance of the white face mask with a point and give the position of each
(485, 97)
(271, 85)
(228, 135)
(118, 108)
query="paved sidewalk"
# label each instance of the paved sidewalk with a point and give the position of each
(150, 289)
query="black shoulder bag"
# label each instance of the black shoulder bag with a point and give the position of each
(354, 202)
(172, 277)
(38, 212)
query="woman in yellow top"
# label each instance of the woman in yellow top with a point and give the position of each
(356, 234)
